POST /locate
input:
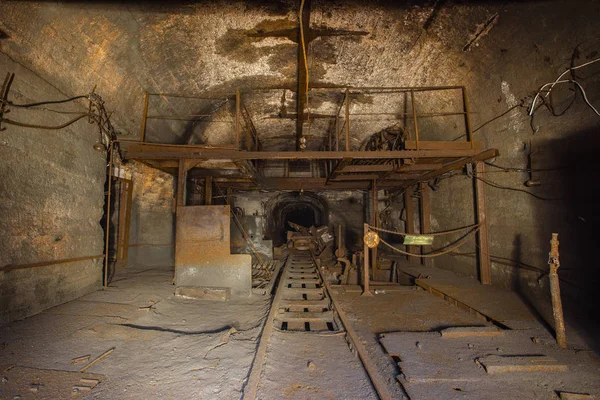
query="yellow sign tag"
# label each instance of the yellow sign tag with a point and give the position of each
(420, 240)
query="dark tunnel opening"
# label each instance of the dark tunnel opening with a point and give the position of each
(302, 215)
(306, 210)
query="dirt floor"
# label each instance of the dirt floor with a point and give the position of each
(164, 347)
(167, 347)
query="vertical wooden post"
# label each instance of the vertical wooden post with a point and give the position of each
(425, 215)
(145, 116)
(414, 112)
(409, 206)
(374, 211)
(559, 322)
(366, 290)
(108, 200)
(467, 117)
(237, 119)
(483, 252)
(208, 191)
(181, 181)
(347, 120)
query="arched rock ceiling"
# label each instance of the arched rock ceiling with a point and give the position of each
(205, 47)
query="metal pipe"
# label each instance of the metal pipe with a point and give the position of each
(559, 322)
(366, 290)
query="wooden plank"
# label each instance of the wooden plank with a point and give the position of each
(471, 331)
(483, 252)
(356, 177)
(137, 150)
(439, 145)
(368, 168)
(505, 364)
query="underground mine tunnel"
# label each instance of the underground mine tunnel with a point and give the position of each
(299, 199)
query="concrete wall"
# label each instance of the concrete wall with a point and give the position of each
(52, 185)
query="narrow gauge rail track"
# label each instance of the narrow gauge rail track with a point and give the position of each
(303, 304)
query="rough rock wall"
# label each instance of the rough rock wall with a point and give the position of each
(151, 232)
(52, 185)
(525, 46)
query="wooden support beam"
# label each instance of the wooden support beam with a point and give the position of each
(181, 182)
(368, 168)
(139, 151)
(491, 153)
(366, 278)
(355, 177)
(483, 251)
(238, 116)
(347, 120)
(374, 212)
(208, 191)
(425, 214)
(409, 206)
(338, 168)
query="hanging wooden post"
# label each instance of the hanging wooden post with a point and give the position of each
(559, 322)
(208, 191)
(366, 290)
(483, 252)
(409, 206)
(425, 215)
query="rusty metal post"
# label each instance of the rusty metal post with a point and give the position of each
(425, 214)
(483, 252)
(145, 117)
(409, 206)
(414, 112)
(374, 211)
(366, 290)
(347, 120)
(559, 322)
(237, 119)
(108, 199)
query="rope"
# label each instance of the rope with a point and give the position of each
(430, 255)
(464, 228)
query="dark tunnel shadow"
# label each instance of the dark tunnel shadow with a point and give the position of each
(575, 217)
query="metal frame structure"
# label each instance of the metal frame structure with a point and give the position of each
(238, 165)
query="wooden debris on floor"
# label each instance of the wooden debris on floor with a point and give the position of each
(505, 364)
(35, 383)
(485, 362)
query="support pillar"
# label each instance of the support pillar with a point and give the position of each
(425, 215)
(409, 206)
(374, 212)
(208, 191)
(366, 290)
